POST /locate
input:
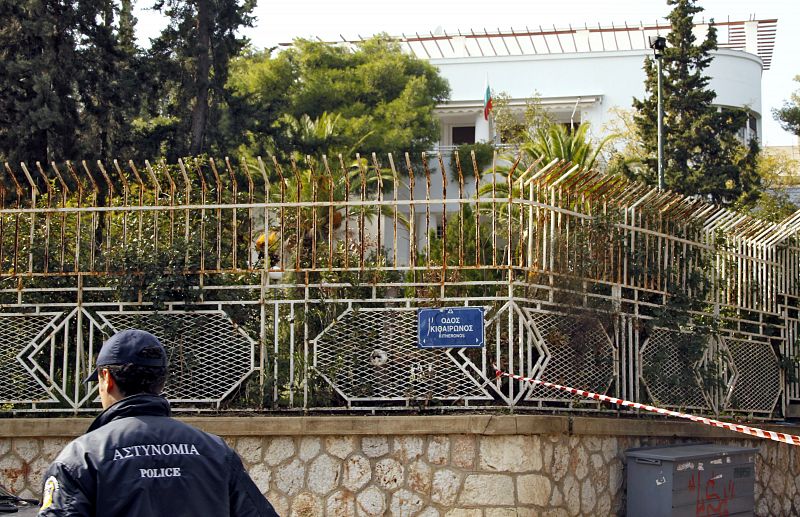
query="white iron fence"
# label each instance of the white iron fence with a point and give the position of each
(295, 286)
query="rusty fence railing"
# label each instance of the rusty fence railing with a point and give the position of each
(280, 286)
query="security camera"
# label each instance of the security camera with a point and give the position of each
(657, 43)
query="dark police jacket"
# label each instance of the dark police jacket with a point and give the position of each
(137, 461)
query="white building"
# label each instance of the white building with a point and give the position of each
(581, 74)
(578, 74)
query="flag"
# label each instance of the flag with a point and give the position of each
(487, 101)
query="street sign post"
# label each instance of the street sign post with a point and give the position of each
(450, 327)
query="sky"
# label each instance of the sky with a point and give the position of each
(280, 21)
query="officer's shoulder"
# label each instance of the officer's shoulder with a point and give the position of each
(73, 458)
(199, 433)
(74, 449)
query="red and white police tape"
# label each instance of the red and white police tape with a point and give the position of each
(752, 431)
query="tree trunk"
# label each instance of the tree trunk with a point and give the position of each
(202, 79)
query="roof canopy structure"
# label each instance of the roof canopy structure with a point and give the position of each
(753, 36)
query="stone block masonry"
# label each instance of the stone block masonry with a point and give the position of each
(428, 466)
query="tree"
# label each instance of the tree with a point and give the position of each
(628, 154)
(38, 109)
(777, 171)
(258, 97)
(556, 141)
(191, 63)
(539, 136)
(703, 153)
(67, 84)
(539, 140)
(381, 98)
(108, 86)
(515, 130)
(789, 114)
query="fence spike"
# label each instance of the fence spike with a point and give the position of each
(126, 187)
(13, 177)
(106, 177)
(65, 191)
(172, 186)
(217, 177)
(234, 183)
(186, 181)
(246, 167)
(138, 177)
(153, 178)
(95, 185)
(32, 183)
(48, 186)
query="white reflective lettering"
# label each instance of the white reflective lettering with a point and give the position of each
(163, 472)
(164, 449)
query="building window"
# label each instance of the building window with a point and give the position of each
(752, 125)
(463, 135)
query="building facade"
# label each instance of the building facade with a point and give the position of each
(581, 75)
(578, 75)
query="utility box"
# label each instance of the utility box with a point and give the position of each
(691, 480)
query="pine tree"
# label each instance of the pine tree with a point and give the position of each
(127, 26)
(107, 85)
(192, 58)
(38, 110)
(67, 80)
(702, 151)
(789, 114)
(325, 98)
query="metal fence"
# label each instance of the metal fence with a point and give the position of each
(294, 286)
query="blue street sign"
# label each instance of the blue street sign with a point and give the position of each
(450, 327)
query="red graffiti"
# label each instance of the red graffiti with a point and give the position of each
(708, 500)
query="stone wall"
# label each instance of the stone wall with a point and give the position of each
(488, 466)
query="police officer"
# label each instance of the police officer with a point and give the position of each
(135, 460)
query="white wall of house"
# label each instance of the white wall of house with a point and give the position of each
(597, 81)
(583, 86)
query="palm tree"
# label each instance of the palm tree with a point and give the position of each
(549, 149)
(312, 136)
(319, 218)
(545, 144)
(556, 141)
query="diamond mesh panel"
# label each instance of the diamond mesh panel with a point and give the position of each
(670, 378)
(758, 385)
(208, 355)
(512, 346)
(580, 354)
(16, 333)
(59, 357)
(372, 355)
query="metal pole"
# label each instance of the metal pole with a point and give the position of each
(660, 129)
